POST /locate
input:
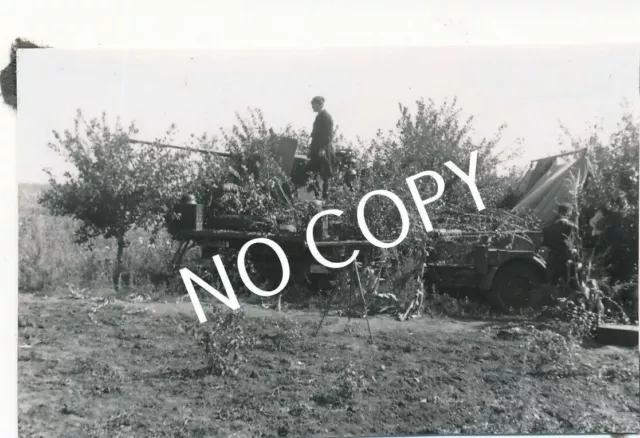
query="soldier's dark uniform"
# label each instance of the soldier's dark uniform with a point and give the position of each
(321, 140)
(555, 237)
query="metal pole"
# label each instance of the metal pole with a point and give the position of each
(364, 300)
(170, 146)
(324, 314)
(560, 155)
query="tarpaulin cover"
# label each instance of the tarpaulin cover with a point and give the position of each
(532, 176)
(553, 181)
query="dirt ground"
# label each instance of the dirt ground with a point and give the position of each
(133, 370)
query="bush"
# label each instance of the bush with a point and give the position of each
(223, 342)
(422, 141)
(613, 189)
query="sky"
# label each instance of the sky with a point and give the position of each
(531, 89)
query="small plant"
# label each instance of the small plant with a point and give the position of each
(349, 384)
(287, 333)
(555, 355)
(223, 339)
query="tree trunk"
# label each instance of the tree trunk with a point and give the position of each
(117, 269)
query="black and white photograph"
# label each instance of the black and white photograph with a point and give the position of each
(321, 235)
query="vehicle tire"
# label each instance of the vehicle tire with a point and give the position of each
(514, 287)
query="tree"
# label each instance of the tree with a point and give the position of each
(434, 135)
(424, 141)
(613, 189)
(117, 186)
(8, 76)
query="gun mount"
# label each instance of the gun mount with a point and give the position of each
(194, 224)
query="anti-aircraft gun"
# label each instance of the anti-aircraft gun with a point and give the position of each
(196, 223)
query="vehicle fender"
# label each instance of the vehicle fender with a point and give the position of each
(487, 279)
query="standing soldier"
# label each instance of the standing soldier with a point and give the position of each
(321, 148)
(556, 237)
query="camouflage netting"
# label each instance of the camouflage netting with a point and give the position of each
(8, 83)
(457, 232)
(493, 220)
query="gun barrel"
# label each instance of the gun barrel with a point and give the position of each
(170, 146)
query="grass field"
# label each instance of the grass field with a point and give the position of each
(132, 369)
(49, 259)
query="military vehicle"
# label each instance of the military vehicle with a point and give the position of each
(507, 267)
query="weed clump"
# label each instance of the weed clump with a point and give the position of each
(223, 338)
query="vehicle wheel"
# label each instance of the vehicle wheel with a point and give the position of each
(514, 287)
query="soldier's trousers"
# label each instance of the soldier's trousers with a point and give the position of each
(321, 186)
(556, 267)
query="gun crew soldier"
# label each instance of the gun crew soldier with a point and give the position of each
(556, 237)
(321, 147)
